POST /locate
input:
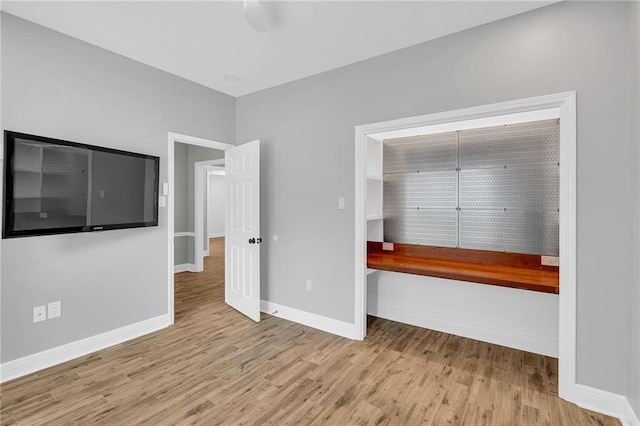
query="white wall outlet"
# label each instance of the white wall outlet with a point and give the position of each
(162, 201)
(39, 313)
(55, 309)
(341, 203)
(387, 246)
(550, 260)
(165, 188)
(308, 284)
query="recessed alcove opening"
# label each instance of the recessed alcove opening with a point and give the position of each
(374, 224)
(474, 190)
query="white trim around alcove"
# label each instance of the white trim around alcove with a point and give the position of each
(565, 106)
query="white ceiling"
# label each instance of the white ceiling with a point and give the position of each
(204, 40)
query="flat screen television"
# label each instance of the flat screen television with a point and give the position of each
(53, 186)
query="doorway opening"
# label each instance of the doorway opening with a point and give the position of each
(565, 103)
(173, 140)
(209, 200)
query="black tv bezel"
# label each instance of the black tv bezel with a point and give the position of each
(9, 200)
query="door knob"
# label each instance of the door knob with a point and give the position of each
(252, 240)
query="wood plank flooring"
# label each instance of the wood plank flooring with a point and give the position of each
(216, 367)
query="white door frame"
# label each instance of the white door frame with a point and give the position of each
(566, 103)
(200, 176)
(190, 140)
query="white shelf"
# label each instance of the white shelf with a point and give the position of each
(371, 271)
(374, 177)
(374, 217)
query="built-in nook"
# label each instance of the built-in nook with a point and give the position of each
(472, 204)
(478, 269)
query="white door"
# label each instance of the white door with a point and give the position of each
(242, 226)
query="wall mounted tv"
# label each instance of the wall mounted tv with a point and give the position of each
(57, 187)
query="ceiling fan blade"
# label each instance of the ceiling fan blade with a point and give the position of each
(254, 14)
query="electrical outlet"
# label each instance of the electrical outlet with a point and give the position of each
(39, 313)
(55, 309)
(550, 260)
(387, 246)
(308, 284)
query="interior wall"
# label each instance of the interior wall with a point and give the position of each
(634, 196)
(180, 209)
(216, 208)
(181, 187)
(307, 129)
(57, 86)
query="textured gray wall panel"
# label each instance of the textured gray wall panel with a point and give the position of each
(516, 231)
(426, 227)
(512, 167)
(524, 188)
(434, 189)
(535, 142)
(423, 153)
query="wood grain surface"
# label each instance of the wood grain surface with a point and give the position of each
(214, 367)
(514, 270)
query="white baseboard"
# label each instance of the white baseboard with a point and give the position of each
(497, 336)
(216, 235)
(41, 360)
(607, 403)
(329, 325)
(185, 267)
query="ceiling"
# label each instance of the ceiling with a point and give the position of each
(203, 41)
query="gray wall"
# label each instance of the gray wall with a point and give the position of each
(180, 209)
(57, 86)
(307, 129)
(634, 167)
(180, 187)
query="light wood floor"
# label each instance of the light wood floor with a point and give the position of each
(216, 367)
